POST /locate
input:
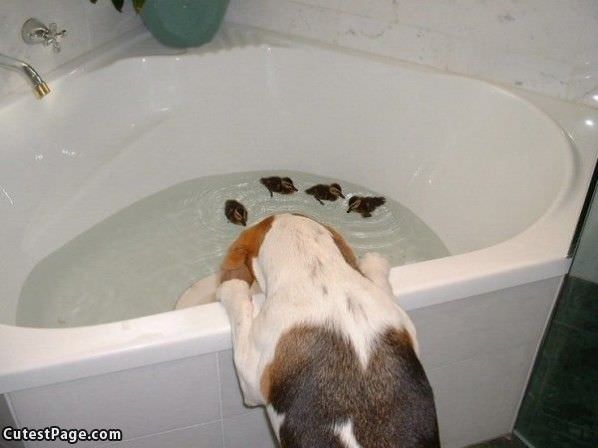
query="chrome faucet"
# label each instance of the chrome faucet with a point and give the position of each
(35, 32)
(40, 88)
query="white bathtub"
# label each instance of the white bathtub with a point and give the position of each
(501, 179)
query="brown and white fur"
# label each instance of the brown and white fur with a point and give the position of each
(329, 352)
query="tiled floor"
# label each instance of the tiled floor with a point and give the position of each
(560, 409)
(503, 442)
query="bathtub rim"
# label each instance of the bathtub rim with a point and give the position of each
(39, 356)
(43, 356)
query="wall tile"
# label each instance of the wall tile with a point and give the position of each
(547, 46)
(140, 402)
(590, 98)
(488, 323)
(477, 399)
(89, 26)
(208, 435)
(248, 430)
(230, 391)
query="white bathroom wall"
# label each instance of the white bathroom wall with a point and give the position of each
(548, 46)
(89, 26)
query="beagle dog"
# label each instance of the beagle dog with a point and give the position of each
(329, 352)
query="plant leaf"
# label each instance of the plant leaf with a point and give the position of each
(93, 1)
(138, 4)
(118, 4)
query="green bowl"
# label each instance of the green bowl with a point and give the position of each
(183, 23)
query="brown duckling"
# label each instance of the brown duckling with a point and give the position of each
(282, 185)
(365, 205)
(326, 192)
(235, 212)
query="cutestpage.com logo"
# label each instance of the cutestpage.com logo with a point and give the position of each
(54, 433)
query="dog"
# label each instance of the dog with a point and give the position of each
(329, 353)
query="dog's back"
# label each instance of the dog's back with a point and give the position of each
(331, 354)
(329, 400)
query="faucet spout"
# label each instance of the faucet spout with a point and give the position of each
(40, 87)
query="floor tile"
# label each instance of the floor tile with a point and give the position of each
(560, 409)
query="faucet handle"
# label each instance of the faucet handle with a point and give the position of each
(52, 37)
(35, 32)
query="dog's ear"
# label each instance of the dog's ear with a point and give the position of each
(236, 266)
(237, 263)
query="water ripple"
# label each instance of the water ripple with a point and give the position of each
(138, 261)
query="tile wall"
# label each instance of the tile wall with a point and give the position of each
(548, 46)
(88, 26)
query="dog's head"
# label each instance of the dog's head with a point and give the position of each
(239, 260)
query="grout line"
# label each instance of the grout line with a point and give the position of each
(482, 355)
(12, 410)
(522, 439)
(13, 414)
(222, 432)
(219, 376)
(146, 436)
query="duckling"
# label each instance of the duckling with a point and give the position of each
(282, 185)
(326, 192)
(365, 205)
(235, 212)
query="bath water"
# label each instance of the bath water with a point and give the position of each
(138, 261)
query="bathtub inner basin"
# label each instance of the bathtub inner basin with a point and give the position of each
(138, 261)
(109, 205)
